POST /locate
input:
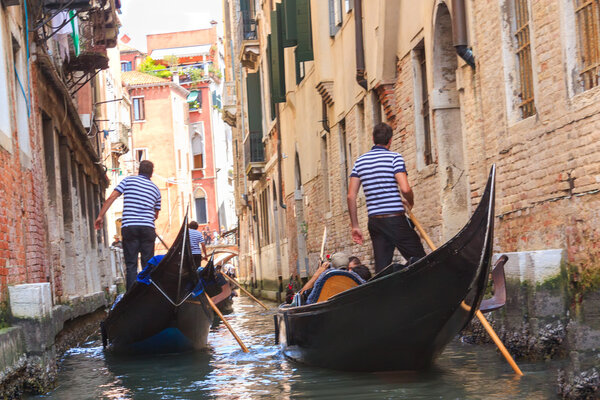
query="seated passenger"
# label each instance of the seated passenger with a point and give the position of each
(338, 261)
(353, 261)
(362, 271)
(331, 283)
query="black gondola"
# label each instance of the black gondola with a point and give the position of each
(398, 320)
(163, 314)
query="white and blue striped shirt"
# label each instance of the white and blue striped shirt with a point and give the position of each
(141, 200)
(196, 238)
(376, 170)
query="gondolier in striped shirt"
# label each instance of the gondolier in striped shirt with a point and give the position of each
(196, 240)
(141, 204)
(380, 172)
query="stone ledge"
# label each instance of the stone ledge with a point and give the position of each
(535, 267)
(12, 351)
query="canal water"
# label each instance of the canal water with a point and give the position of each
(463, 371)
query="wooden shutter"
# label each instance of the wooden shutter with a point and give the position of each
(254, 103)
(289, 23)
(304, 51)
(277, 63)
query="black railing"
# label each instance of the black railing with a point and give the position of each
(255, 149)
(249, 25)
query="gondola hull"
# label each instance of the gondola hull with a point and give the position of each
(161, 316)
(400, 320)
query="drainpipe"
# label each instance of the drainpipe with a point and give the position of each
(459, 32)
(279, 158)
(360, 48)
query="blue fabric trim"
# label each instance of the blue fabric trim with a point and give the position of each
(197, 291)
(316, 291)
(144, 276)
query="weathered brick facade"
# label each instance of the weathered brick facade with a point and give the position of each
(548, 164)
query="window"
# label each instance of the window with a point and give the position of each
(263, 199)
(325, 172)
(22, 97)
(344, 156)
(141, 154)
(5, 109)
(200, 203)
(139, 112)
(587, 15)
(335, 16)
(125, 66)
(198, 147)
(523, 53)
(421, 98)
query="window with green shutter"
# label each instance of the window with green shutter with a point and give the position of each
(289, 23)
(254, 103)
(304, 51)
(276, 59)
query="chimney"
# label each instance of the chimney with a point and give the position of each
(176, 77)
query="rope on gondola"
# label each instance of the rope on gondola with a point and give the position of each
(167, 296)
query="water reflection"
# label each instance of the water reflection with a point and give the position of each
(225, 372)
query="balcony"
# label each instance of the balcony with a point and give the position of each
(120, 140)
(98, 31)
(248, 37)
(229, 104)
(255, 156)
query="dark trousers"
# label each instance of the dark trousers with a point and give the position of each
(393, 232)
(197, 259)
(137, 240)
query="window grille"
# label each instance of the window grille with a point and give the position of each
(588, 22)
(523, 53)
(420, 54)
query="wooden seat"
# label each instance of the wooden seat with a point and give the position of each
(334, 285)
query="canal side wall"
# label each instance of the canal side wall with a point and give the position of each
(54, 266)
(551, 312)
(30, 348)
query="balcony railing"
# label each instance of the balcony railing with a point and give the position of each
(229, 103)
(249, 26)
(247, 40)
(255, 149)
(255, 156)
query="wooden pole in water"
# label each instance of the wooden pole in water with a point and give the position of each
(244, 290)
(478, 313)
(216, 310)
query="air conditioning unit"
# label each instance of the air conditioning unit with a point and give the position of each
(67, 4)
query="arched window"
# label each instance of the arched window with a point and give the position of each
(200, 202)
(198, 147)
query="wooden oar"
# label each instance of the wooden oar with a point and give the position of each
(163, 242)
(216, 310)
(478, 313)
(323, 243)
(244, 290)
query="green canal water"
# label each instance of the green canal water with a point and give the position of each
(463, 371)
